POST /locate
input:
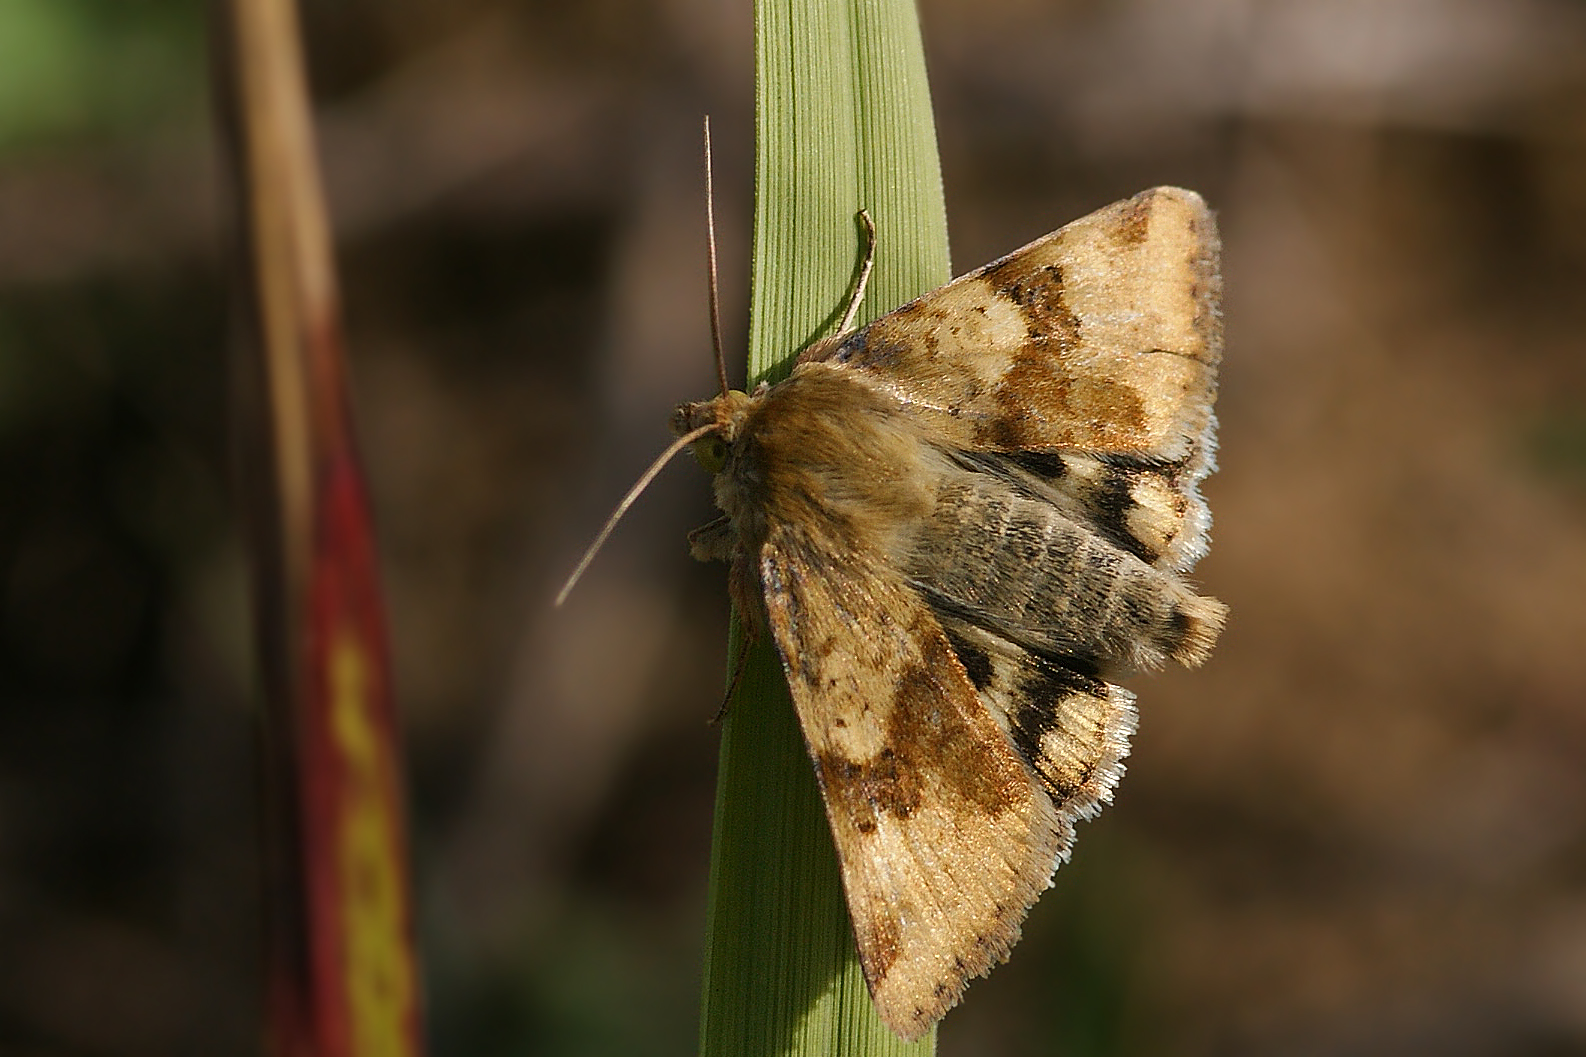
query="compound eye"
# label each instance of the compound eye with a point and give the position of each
(711, 452)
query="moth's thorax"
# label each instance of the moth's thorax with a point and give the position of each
(825, 446)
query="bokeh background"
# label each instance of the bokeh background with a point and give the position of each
(1361, 829)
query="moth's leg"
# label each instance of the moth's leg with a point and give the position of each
(712, 541)
(858, 295)
(743, 586)
(746, 638)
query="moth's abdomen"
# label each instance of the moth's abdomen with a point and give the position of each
(1035, 575)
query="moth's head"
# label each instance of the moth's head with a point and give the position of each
(710, 427)
(723, 416)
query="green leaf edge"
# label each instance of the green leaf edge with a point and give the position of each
(844, 122)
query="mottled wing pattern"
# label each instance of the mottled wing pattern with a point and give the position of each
(1037, 606)
(1104, 336)
(1101, 341)
(1071, 728)
(944, 839)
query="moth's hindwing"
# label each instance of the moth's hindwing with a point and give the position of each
(1072, 728)
(1150, 508)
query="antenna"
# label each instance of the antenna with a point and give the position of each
(692, 435)
(863, 281)
(633, 493)
(710, 258)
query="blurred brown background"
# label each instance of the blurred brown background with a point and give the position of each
(1360, 830)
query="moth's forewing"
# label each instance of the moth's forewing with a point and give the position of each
(943, 839)
(1100, 341)
(1104, 336)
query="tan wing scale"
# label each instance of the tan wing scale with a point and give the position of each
(1104, 336)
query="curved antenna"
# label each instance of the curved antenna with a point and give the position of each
(715, 299)
(633, 493)
(858, 296)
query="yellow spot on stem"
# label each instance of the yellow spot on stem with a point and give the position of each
(379, 982)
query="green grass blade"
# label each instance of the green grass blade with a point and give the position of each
(844, 122)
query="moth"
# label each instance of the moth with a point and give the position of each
(959, 525)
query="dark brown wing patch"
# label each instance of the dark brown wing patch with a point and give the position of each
(1071, 727)
(1148, 507)
(1104, 337)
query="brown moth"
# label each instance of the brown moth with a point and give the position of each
(959, 524)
